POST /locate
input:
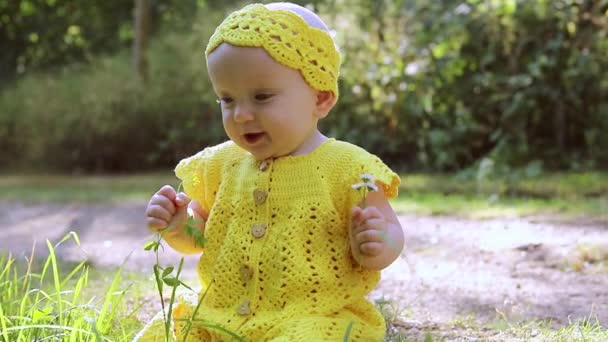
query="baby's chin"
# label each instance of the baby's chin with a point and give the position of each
(257, 153)
(261, 149)
(264, 154)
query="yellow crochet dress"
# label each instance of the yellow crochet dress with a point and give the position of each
(277, 264)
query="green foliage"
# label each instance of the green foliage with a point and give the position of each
(89, 189)
(97, 117)
(426, 85)
(444, 84)
(42, 34)
(51, 304)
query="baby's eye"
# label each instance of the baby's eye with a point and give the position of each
(262, 97)
(225, 100)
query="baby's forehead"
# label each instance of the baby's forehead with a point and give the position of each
(231, 53)
(240, 61)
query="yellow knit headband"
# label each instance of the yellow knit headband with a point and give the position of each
(287, 38)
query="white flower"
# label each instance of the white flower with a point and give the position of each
(358, 186)
(371, 186)
(190, 212)
(368, 185)
(367, 178)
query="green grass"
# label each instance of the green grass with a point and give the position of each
(562, 185)
(482, 206)
(565, 195)
(66, 188)
(587, 329)
(41, 300)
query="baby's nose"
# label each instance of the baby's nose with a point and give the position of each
(242, 113)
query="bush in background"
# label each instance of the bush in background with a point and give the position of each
(443, 85)
(98, 117)
(426, 85)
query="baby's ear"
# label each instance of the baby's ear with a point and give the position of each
(326, 100)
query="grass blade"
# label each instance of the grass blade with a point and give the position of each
(56, 280)
(348, 331)
(53, 327)
(105, 316)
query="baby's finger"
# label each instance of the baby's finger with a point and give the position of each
(182, 199)
(355, 215)
(167, 191)
(371, 212)
(373, 223)
(198, 211)
(371, 248)
(164, 202)
(156, 224)
(370, 235)
(158, 212)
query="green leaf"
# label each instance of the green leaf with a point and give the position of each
(185, 285)
(188, 229)
(159, 283)
(349, 329)
(150, 245)
(167, 271)
(42, 314)
(200, 240)
(171, 281)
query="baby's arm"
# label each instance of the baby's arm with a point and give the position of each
(376, 236)
(167, 209)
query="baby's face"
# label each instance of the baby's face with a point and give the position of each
(267, 109)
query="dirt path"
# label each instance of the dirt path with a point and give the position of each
(454, 269)
(515, 269)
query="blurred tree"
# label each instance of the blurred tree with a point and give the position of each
(140, 43)
(435, 85)
(446, 84)
(47, 34)
(37, 34)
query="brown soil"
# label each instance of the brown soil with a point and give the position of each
(454, 270)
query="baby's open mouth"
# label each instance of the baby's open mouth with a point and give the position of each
(253, 138)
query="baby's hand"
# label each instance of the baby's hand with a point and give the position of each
(167, 209)
(368, 232)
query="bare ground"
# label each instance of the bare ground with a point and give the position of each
(454, 272)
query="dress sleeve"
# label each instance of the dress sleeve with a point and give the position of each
(200, 175)
(367, 163)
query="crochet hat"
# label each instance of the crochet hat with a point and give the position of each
(287, 38)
